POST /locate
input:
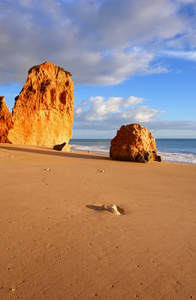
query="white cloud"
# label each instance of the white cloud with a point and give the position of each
(189, 55)
(106, 116)
(113, 111)
(99, 42)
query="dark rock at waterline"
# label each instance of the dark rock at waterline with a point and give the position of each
(59, 147)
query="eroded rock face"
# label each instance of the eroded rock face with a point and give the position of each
(5, 121)
(43, 111)
(134, 143)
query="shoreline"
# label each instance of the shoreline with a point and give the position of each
(17, 147)
(174, 150)
(58, 244)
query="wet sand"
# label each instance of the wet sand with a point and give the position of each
(57, 244)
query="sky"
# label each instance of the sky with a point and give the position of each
(132, 61)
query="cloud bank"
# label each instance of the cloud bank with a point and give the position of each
(107, 115)
(101, 42)
(102, 114)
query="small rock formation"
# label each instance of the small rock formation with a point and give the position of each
(5, 121)
(116, 210)
(43, 111)
(134, 143)
(59, 147)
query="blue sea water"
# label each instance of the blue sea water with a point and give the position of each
(173, 150)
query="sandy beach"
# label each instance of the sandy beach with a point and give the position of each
(56, 243)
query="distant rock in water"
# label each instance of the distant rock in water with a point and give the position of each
(5, 121)
(134, 143)
(43, 111)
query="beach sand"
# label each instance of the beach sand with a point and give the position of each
(57, 244)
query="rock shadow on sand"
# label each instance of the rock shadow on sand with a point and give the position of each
(95, 207)
(49, 151)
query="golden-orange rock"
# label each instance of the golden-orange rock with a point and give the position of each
(43, 111)
(5, 121)
(134, 143)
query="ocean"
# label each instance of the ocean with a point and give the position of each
(173, 150)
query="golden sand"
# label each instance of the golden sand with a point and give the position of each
(57, 244)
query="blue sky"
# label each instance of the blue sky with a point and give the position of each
(131, 61)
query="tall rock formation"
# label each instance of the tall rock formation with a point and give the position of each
(5, 121)
(134, 143)
(43, 111)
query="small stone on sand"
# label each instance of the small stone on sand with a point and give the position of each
(113, 209)
(101, 171)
